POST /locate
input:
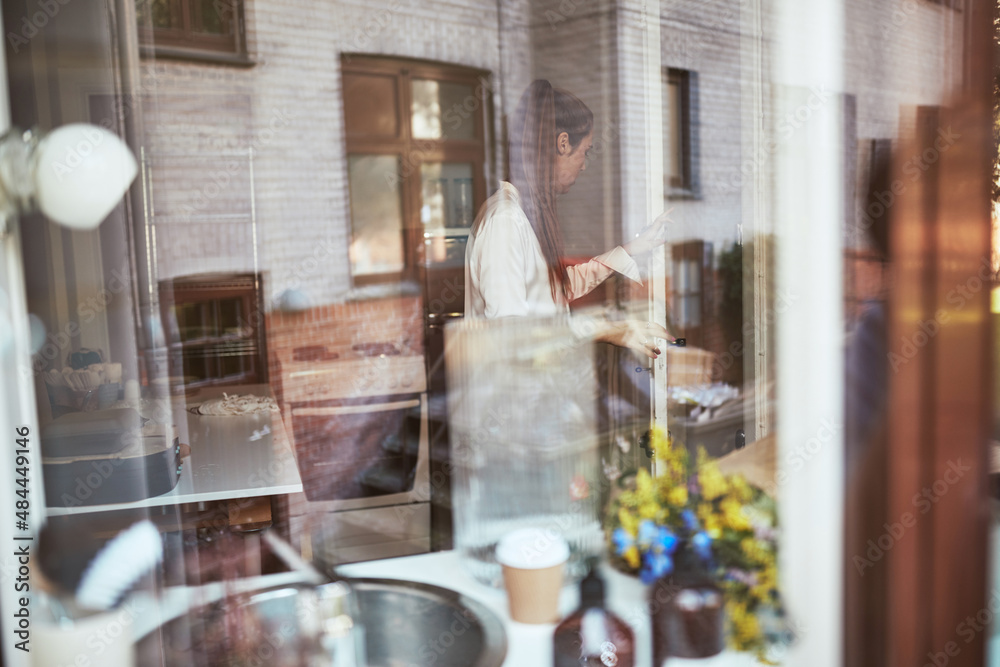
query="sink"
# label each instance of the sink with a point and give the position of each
(407, 624)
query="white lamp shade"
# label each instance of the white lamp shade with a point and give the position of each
(81, 173)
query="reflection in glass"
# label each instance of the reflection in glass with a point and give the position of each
(446, 204)
(376, 216)
(213, 14)
(446, 190)
(443, 110)
(155, 11)
(673, 148)
(687, 294)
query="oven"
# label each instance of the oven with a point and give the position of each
(360, 435)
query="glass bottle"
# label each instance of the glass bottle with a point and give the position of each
(592, 636)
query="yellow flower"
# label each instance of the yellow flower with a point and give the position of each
(645, 491)
(678, 496)
(628, 522)
(631, 556)
(713, 484)
(713, 526)
(741, 489)
(756, 550)
(767, 580)
(661, 443)
(732, 514)
(750, 630)
(649, 510)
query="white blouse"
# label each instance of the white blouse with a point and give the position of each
(505, 271)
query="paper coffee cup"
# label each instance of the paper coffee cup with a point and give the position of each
(532, 561)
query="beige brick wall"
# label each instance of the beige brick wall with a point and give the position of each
(203, 120)
(288, 108)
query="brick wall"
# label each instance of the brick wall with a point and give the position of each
(288, 108)
(203, 120)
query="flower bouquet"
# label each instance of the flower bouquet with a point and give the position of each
(691, 513)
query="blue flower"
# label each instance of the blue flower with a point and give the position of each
(690, 520)
(654, 566)
(647, 533)
(622, 540)
(665, 540)
(702, 544)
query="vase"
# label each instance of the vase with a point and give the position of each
(686, 612)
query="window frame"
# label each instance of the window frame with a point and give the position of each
(687, 185)
(701, 253)
(413, 153)
(185, 43)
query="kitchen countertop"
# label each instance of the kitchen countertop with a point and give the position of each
(231, 457)
(531, 645)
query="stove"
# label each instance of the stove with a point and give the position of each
(360, 431)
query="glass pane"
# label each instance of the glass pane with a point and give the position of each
(692, 310)
(300, 176)
(446, 195)
(376, 216)
(673, 146)
(215, 16)
(442, 110)
(692, 270)
(371, 108)
(156, 13)
(230, 316)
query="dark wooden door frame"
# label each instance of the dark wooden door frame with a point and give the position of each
(939, 386)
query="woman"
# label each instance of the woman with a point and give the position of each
(514, 255)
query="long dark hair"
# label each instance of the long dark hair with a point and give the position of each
(542, 114)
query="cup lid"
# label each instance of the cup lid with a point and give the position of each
(532, 549)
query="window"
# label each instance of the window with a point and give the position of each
(680, 112)
(415, 135)
(692, 265)
(211, 30)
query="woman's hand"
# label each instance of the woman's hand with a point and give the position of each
(640, 337)
(651, 237)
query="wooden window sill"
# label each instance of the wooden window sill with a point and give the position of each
(197, 55)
